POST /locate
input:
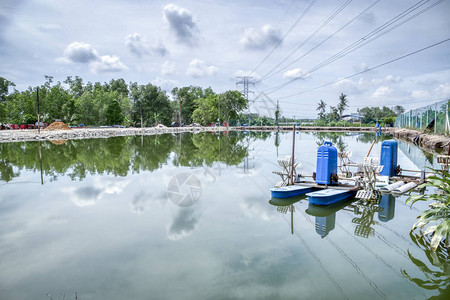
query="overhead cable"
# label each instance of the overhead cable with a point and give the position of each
(285, 35)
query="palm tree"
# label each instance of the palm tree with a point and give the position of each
(343, 104)
(321, 108)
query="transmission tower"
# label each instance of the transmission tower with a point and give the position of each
(245, 82)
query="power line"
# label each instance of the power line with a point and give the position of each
(363, 41)
(367, 70)
(318, 45)
(286, 34)
(328, 20)
(285, 13)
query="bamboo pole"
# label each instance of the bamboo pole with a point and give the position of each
(293, 150)
(370, 150)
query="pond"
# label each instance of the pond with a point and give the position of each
(189, 216)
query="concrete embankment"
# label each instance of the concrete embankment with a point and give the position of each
(433, 143)
(90, 133)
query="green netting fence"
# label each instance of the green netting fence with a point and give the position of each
(436, 116)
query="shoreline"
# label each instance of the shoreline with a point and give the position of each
(437, 144)
(433, 143)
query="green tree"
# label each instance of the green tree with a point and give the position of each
(321, 107)
(119, 86)
(342, 105)
(231, 103)
(150, 99)
(399, 109)
(85, 109)
(207, 110)
(333, 116)
(75, 85)
(114, 113)
(4, 89)
(186, 97)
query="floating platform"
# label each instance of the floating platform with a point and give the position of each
(290, 191)
(326, 210)
(287, 201)
(329, 196)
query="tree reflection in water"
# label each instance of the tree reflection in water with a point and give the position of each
(120, 155)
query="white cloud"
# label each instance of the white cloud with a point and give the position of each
(135, 44)
(420, 94)
(383, 91)
(181, 22)
(80, 52)
(108, 63)
(293, 74)
(90, 195)
(49, 27)
(198, 68)
(241, 73)
(139, 47)
(443, 90)
(165, 84)
(183, 224)
(168, 68)
(260, 40)
(389, 79)
(347, 86)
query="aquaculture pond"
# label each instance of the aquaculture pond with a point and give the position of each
(189, 216)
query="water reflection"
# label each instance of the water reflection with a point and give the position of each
(232, 240)
(285, 205)
(325, 216)
(120, 156)
(435, 268)
(387, 203)
(362, 210)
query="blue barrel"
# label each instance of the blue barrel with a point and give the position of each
(387, 202)
(326, 163)
(325, 224)
(388, 157)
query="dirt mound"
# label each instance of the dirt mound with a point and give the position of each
(57, 126)
(58, 142)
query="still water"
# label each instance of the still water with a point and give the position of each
(190, 217)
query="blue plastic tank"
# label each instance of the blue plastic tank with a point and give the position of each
(327, 160)
(387, 202)
(325, 224)
(388, 157)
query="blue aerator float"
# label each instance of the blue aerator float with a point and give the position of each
(326, 189)
(326, 168)
(388, 157)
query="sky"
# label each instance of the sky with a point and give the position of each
(297, 52)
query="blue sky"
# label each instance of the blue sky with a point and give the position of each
(209, 43)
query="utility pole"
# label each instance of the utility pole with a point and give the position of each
(37, 108)
(277, 113)
(245, 81)
(219, 111)
(140, 108)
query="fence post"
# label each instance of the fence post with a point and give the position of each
(417, 120)
(447, 125)
(435, 117)
(409, 119)
(421, 114)
(427, 116)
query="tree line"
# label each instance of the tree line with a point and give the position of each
(369, 115)
(115, 102)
